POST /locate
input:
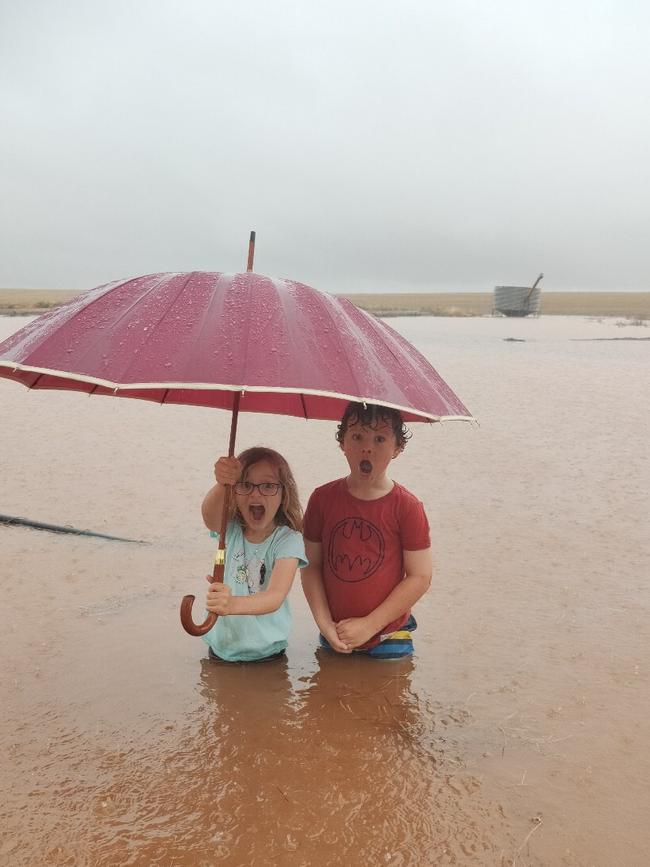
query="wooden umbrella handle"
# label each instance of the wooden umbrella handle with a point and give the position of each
(187, 621)
(187, 602)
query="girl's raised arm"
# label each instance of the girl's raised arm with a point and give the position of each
(226, 471)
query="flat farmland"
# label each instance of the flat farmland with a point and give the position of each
(631, 305)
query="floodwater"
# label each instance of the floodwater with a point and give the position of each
(519, 734)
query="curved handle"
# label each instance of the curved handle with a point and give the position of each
(188, 623)
(187, 602)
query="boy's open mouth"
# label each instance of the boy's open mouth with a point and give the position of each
(257, 512)
(365, 467)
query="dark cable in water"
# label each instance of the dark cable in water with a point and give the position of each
(56, 528)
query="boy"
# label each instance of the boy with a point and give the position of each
(367, 542)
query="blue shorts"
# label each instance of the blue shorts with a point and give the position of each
(393, 645)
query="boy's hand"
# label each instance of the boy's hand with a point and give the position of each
(330, 634)
(227, 471)
(355, 631)
(219, 600)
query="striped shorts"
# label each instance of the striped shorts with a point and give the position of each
(393, 645)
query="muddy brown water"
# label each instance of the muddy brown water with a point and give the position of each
(519, 733)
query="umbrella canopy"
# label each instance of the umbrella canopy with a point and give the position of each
(201, 338)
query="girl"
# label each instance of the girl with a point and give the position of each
(264, 547)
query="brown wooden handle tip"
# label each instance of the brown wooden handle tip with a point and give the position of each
(187, 621)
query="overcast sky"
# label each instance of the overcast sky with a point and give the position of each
(374, 146)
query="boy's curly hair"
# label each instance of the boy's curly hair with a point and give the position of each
(370, 415)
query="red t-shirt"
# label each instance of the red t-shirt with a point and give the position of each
(362, 543)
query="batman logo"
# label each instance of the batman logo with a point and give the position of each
(356, 550)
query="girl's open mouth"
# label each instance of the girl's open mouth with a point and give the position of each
(365, 467)
(257, 512)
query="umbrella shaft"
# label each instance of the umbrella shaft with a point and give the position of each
(228, 490)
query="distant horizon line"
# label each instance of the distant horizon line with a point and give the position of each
(376, 292)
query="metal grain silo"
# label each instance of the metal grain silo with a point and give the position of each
(518, 300)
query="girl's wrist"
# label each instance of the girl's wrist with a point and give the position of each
(237, 605)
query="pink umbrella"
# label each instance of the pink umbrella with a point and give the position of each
(243, 342)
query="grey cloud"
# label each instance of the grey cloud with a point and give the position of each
(373, 146)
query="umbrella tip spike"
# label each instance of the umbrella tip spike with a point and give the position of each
(251, 252)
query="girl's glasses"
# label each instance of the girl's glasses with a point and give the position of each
(266, 489)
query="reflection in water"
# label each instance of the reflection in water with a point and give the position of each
(383, 781)
(207, 786)
(351, 765)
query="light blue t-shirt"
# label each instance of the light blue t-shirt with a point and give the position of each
(242, 637)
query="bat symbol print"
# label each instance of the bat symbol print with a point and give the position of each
(356, 550)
